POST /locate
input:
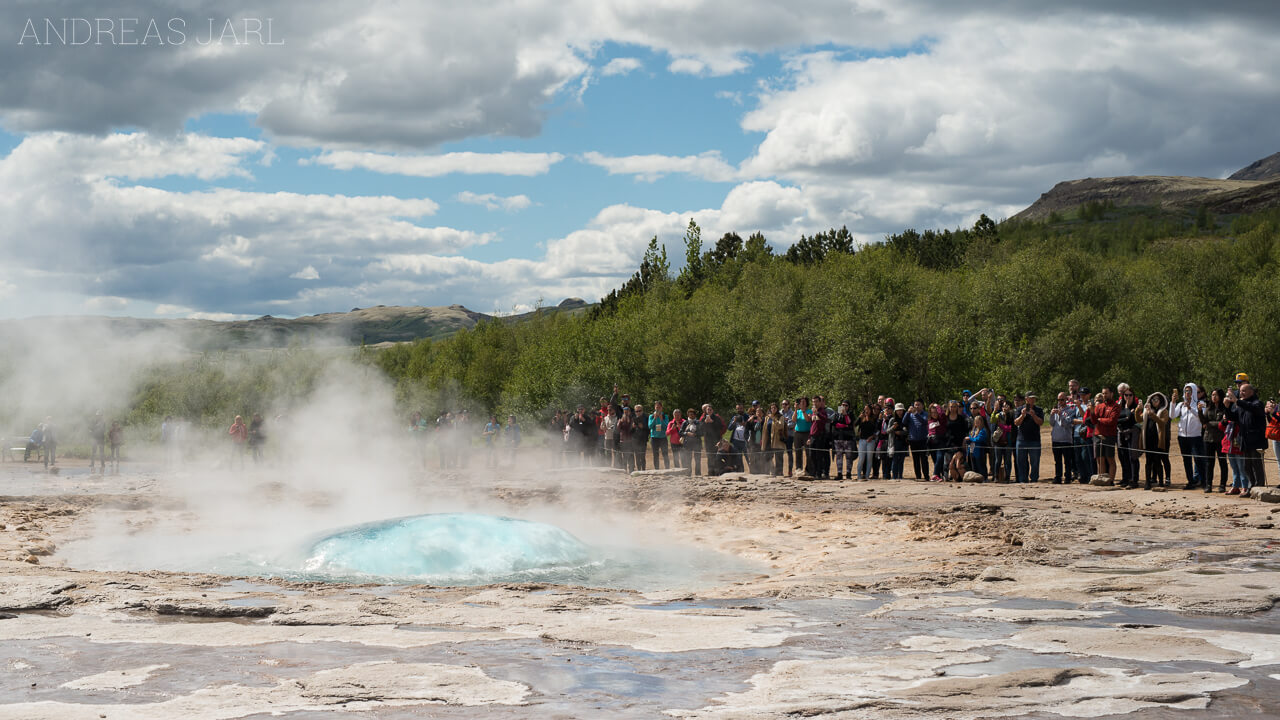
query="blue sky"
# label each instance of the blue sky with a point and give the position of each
(495, 158)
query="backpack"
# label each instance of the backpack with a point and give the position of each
(1231, 440)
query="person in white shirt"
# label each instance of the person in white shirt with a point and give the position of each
(1186, 409)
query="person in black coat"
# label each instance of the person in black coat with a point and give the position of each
(1247, 411)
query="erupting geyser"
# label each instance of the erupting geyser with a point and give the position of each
(448, 548)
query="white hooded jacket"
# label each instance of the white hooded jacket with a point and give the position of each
(1187, 412)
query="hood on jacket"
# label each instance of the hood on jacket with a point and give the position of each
(1195, 393)
(1164, 400)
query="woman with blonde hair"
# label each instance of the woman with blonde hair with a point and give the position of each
(675, 439)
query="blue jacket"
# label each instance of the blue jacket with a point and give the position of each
(917, 426)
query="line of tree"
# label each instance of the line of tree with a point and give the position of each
(1141, 295)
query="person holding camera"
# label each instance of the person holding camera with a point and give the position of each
(1273, 427)
(675, 439)
(1155, 440)
(1250, 415)
(1106, 425)
(1061, 434)
(691, 437)
(712, 428)
(789, 435)
(1027, 452)
(1187, 410)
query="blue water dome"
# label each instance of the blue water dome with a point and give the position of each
(447, 548)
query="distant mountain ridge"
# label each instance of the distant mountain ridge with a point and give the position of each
(1250, 189)
(1268, 168)
(367, 326)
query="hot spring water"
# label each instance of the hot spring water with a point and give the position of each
(449, 548)
(435, 549)
(473, 549)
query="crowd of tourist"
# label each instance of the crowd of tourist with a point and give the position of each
(981, 436)
(985, 435)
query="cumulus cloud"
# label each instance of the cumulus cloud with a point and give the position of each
(487, 67)
(133, 156)
(221, 247)
(475, 69)
(491, 201)
(307, 273)
(707, 166)
(996, 109)
(340, 77)
(469, 163)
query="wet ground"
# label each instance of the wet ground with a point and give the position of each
(851, 600)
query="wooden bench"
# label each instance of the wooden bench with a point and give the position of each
(15, 446)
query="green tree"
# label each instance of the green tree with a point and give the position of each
(693, 273)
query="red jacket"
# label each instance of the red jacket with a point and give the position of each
(673, 433)
(1107, 414)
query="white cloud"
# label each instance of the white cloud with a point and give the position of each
(517, 309)
(307, 273)
(135, 156)
(621, 66)
(341, 78)
(102, 236)
(707, 166)
(470, 163)
(166, 309)
(494, 202)
(708, 64)
(687, 66)
(997, 105)
(394, 75)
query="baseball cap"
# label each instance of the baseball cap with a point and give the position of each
(755, 403)
(1242, 377)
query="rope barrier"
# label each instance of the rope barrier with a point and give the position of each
(888, 452)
